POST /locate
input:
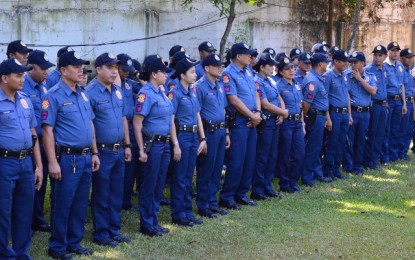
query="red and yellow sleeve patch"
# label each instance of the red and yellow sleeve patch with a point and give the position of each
(311, 87)
(170, 95)
(141, 98)
(225, 79)
(45, 104)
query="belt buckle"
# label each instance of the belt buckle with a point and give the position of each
(84, 151)
(194, 128)
(396, 97)
(296, 116)
(359, 109)
(344, 110)
(116, 147)
(384, 102)
(22, 155)
(167, 138)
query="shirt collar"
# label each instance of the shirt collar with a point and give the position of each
(31, 82)
(66, 89)
(152, 87)
(319, 76)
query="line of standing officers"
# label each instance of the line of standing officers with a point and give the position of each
(308, 116)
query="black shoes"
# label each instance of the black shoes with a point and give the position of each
(121, 239)
(245, 201)
(219, 211)
(162, 229)
(151, 232)
(42, 228)
(229, 205)
(63, 255)
(207, 213)
(272, 194)
(325, 179)
(256, 196)
(184, 222)
(106, 242)
(81, 251)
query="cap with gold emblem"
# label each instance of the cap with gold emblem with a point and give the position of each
(17, 46)
(71, 58)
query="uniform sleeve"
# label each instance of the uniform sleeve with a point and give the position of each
(196, 98)
(373, 81)
(327, 82)
(174, 100)
(309, 92)
(229, 84)
(199, 94)
(142, 104)
(33, 121)
(260, 89)
(91, 114)
(49, 110)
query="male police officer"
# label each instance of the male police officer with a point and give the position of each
(396, 100)
(212, 99)
(17, 142)
(68, 135)
(244, 104)
(205, 49)
(35, 88)
(362, 86)
(407, 122)
(379, 113)
(111, 130)
(55, 75)
(19, 51)
(340, 116)
(294, 54)
(315, 107)
(304, 66)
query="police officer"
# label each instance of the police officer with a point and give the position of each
(19, 51)
(292, 131)
(337, 87)
(407, 121)
(273, 109)
(111, 135)
(315, 109)
(304, 66)
(244, 105)
(35, 88)
(84, 81)
(17, 181)
(152, 126)
(212, 99)
(68, 139)
(205, 48)
(125, 67)
(379, 112)
(171, 83)
(55, 75)
(187, 127)
(362, 86)
(294, 54)
(396, 101)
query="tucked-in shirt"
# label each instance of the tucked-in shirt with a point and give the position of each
(314, 91)
(212, 99)
(380, 76)
(267, 88)
(185, 105)
(337, 88)
(292, 95)
(394, 77)
(358, 95)
(409, 82)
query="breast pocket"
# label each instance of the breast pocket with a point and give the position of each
(163, 108)
(7, 115)
(103, 106)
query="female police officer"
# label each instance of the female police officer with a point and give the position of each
(187, 123)
(152, 124)
(292, 130)
(272, 106)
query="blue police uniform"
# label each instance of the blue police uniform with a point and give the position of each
(267, 147)
(238, 178)
(16, 176)
(157, 111)
(378, 118)
(185, 109)
(338, 92)
(299, 77)
(36, 93)
(53, 77)
(407, 122)
(394, 82)
(70, 115)
(108, 182)
(315, 93)
(199, 70)
(132, 168)
(360, 101)
(212, 99)
(291, 161)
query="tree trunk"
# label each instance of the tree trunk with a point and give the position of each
(329, 31)
(228, 28)
(356, 20)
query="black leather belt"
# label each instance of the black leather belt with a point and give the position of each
(188, 128)
(271, 116)
(395, 97)
(319, 112)
(73, 151)
(342, 110)
(161, 138)
(19, 155)
(380, 102)
(110, 147)
(294, 117)
(361, 109)
(409, 99)
(209, 124)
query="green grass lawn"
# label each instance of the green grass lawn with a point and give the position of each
(366, 217)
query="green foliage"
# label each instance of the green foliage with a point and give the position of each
(222, 5)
